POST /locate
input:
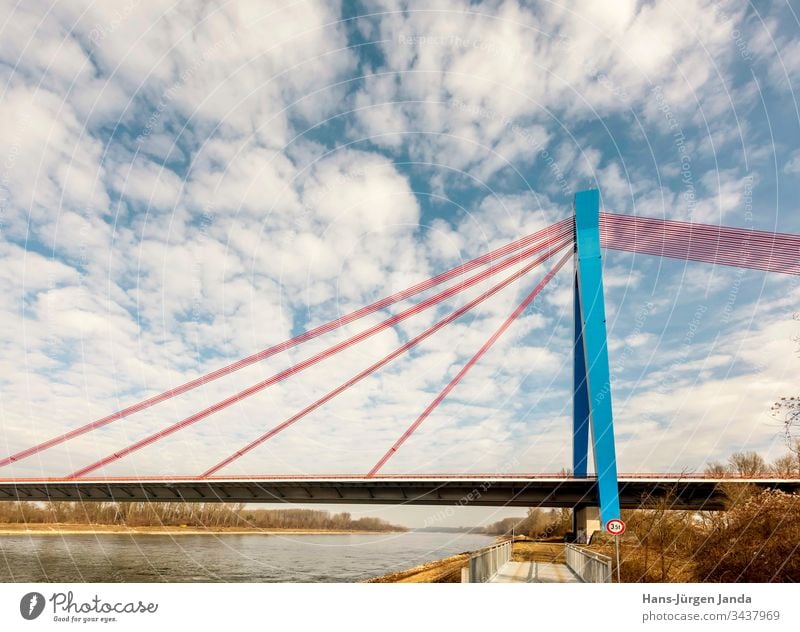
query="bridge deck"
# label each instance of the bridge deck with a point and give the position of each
(534, 573)
(474, 490)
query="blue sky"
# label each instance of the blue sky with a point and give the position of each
(183, 185)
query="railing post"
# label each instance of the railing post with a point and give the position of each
(484, 564)
(588, 565)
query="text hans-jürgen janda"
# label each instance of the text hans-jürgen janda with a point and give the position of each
(681, 599)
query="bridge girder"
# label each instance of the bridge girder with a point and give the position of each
(695, 494)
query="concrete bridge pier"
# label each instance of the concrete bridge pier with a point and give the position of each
(585, 521)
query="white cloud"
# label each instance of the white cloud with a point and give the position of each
(457, 85)
(52, 163)
(155, 186)
(793, 164)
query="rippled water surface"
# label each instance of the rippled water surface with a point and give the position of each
(224, 558)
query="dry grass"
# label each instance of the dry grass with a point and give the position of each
(538, 552)
(637, 564)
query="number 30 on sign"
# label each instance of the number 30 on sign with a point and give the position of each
(615, 527)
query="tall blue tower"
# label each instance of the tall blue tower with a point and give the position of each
(592, 413)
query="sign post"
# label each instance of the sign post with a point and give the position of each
(616, 528)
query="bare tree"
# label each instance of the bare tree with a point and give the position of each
(716, 469)
(787, 410)
(786, 466)
(747, 464)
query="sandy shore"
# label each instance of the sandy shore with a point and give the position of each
(447, 570)
(81, 529)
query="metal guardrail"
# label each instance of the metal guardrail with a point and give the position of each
(589, 566)
(682, 477)
(484, 563)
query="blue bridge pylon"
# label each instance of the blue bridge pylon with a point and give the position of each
(592, 412)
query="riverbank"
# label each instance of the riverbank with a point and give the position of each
(444, 571)
(100, 529)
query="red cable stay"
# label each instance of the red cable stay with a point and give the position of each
(560, 228)
(739, 247)
(377, 365)
(552, 244)
(775, 252)
(470, 363)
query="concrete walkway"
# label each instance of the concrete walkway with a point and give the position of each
(534, 572)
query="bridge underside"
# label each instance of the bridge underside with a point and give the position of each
(695, 494)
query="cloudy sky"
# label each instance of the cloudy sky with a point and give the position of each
(184, 185)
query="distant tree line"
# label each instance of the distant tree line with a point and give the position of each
(752, 464)
(538, 524)
(175, 514)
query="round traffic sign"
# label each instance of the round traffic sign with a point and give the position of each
(615, 527)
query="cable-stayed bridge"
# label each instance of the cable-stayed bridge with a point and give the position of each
(579, 238)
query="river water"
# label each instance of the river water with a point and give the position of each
(222, 557)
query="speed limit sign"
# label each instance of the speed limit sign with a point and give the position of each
(615, 527)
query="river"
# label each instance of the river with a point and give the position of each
(222, 557)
